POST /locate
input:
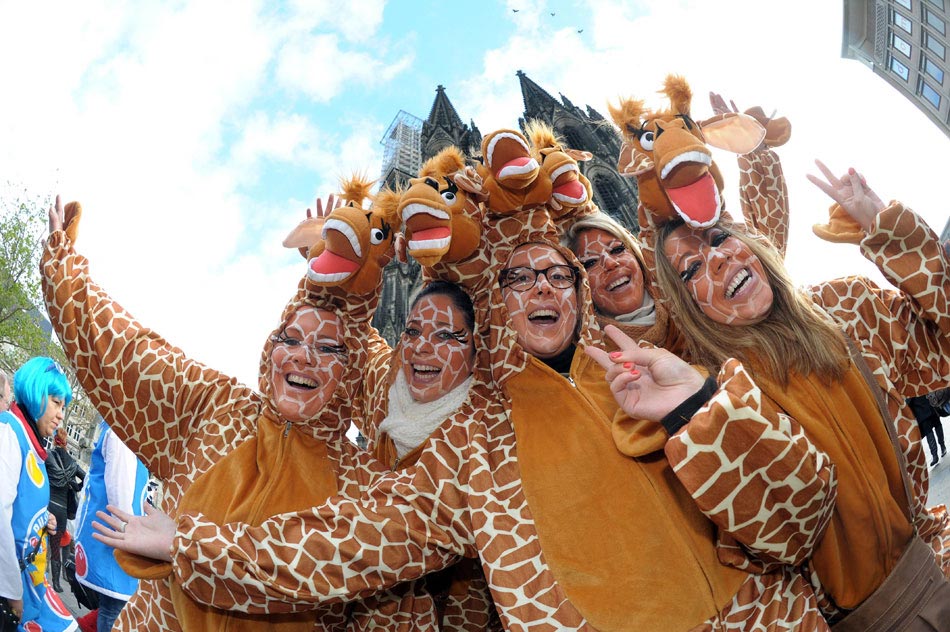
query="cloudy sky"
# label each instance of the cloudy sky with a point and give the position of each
(196, 133)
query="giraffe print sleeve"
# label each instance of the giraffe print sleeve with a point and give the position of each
(905, 329)
(763, 196)
(151, 393)
(739, 454)
(374, 385)
(908, 252)
(341, 551)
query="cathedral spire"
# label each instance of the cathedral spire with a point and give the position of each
(537, 102)
(443, 113)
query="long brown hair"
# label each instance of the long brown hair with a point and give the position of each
(795, 335)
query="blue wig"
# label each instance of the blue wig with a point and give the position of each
(35, 381)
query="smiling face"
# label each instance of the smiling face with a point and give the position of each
(307, 362)
(438, 351)
(52, 417)
(614, 274)
(724, 277)
(544, 317)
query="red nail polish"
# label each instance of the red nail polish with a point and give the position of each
(615, 354)
(634, 372)
(628, 365)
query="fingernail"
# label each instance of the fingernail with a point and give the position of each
(628, 365)
(615, 354)
(634, 372)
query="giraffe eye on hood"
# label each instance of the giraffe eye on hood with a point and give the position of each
(376, 236)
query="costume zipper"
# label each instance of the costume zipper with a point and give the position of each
(254, 515)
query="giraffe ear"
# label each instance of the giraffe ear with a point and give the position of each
(71, 215)
(733, 131)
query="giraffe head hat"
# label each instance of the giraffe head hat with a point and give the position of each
(518, 176)
(668, 152)
(356, 242)
(440, 212)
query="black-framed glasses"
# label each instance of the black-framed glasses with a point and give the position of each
(523, 279)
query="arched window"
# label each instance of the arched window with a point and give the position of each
(611, 198)
(576, 139)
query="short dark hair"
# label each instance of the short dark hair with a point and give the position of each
(458, 296)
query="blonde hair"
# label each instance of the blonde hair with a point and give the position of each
(795, 335)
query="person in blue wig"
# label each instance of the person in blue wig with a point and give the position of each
(42, 392)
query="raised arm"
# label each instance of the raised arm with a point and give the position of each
(763, 193)
(156, 397)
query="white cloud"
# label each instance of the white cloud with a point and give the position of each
(316, 65)
(357, 20)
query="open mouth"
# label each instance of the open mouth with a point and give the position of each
(738, 282)
(544, 317)
(296, 380)
(425, 372)
(330, 267)
(427, 227)
(697, 201)
(619, 283)
(567, 186)
(517, 167)
(512, 154)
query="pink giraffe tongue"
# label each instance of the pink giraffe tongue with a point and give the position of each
(513, 166)
(439, 232)
(330, 263)
(573, 190)
(698, 202)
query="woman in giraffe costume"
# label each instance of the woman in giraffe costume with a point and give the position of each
(737, 308)
(217, 445)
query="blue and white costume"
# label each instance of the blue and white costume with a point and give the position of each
(24, 500)
(116, 477)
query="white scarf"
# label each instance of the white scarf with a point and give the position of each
(643, 315)
(409, 422)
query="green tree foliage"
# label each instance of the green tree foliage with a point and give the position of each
(23, 330)
(22, 225)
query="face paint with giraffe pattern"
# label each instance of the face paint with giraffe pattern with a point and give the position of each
(725, 278)
(307, 361)
(437, 351)
(544, 317)
(614, 274)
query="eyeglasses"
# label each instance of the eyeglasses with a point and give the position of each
(523, 279)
